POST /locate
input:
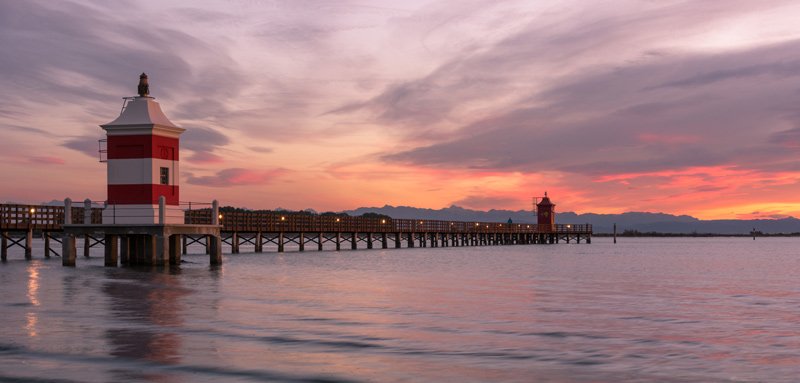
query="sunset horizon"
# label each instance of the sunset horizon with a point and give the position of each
(676, 108)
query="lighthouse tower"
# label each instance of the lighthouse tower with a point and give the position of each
(546, 211)
(142, 162)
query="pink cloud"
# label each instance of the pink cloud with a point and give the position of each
(238, 177)
(205, 158)
(47, 160)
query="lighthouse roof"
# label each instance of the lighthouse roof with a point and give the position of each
(142, 111)
(142, 115)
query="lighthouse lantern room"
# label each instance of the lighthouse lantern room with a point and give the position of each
(142, 162)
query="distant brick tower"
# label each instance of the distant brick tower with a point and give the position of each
(546, 211)
(142, 161)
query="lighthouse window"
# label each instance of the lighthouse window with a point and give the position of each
(165, 176)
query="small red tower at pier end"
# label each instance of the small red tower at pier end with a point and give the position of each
(546, 211)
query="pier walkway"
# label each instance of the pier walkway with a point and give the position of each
(263, 231)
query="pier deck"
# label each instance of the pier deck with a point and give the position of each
(19, 222)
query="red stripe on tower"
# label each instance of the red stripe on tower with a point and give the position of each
(142, 161)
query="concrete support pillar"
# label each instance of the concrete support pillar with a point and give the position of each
(259, 246)
(215, 253)
(385, 241)
(175, 249)
(208, 245)
(338, 241)
(354, 241)
(319, 241)
(183, 243)
(369, 240)
(397, 240)
(410, 239)
(588, 238)
(69, 250)
(423, 239)
(280, 242)
(161, 250)
(111, 251)
(234, 242)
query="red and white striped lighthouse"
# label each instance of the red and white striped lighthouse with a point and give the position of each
(142, 162)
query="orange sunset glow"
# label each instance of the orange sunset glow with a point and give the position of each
(675, 107)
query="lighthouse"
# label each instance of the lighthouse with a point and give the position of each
(546, 211)
(142, 152)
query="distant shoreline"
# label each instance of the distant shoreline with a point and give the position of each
(656, 234)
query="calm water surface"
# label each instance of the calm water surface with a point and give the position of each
(643, 310)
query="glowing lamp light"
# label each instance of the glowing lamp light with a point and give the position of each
(569, 226)
(383, 221)
(220, 216)
(337, 219)
(283, 218)
(33, 210)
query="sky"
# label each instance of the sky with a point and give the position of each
(681, 107)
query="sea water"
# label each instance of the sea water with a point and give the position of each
(642, 310)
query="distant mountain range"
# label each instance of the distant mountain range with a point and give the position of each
(601, 223)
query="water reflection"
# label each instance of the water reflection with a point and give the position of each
(32, 319)
(148, 304)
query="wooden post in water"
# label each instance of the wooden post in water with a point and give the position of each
(46, 235)
(29, 244)
(68, 248)
(301, 241)
(4, 245)
(754, 233)
(615, 233)
(214, 243)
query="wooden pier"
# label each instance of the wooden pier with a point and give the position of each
(264, 230)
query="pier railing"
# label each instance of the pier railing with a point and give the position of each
(40, 217)
(275, 222)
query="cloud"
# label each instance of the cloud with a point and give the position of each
(238, 177)
(47, 160)
(203, 142)
(261, 149)
(87, 145)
